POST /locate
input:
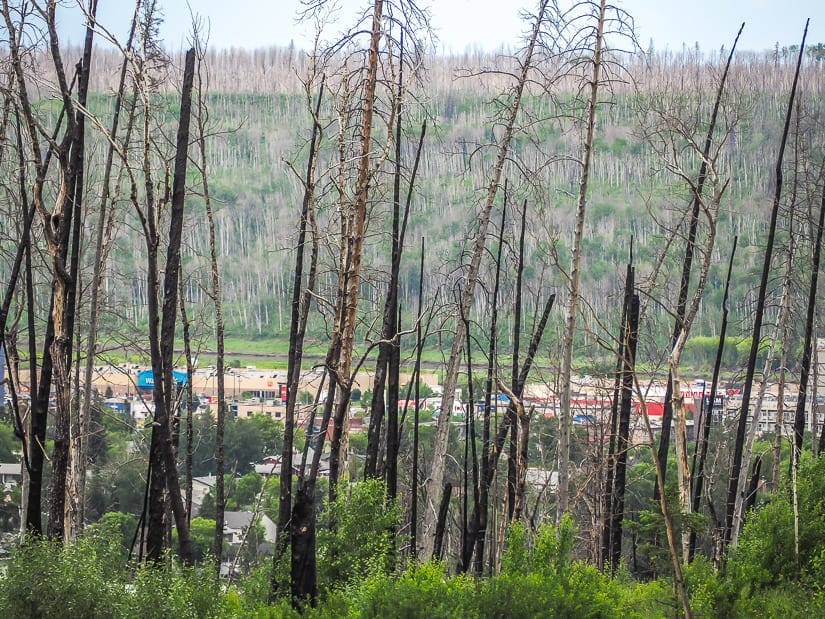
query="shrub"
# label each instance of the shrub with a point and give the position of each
(360, 543)
(43, 579)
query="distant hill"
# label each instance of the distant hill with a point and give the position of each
(258, 114)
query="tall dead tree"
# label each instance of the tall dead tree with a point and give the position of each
(733, 496)
(302, 287)
(57, 231)
(102, 244)
(419, 344)
(162, 456)
(805, 367)
(441, 439)
(703, 432)
(360, 159)
(518, 411)
(614, 490)
(592, 85)
(479, 518)
(687, 262)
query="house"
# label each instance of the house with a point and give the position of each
(11, 474)
(271, 465)
(235, 525)
(200, 488)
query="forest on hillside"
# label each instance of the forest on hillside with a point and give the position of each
(578, 214)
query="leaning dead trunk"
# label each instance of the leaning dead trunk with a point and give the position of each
(103, 233)
(698, 471)
(164, 476)
(441, 439)
(733, 498)
(572, 309)
(352, 254)
(799, 418)
(687, 262)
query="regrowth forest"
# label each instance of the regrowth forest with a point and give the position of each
(607, 255)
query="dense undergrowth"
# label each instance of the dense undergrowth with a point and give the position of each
(537, 579)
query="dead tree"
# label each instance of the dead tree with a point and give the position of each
(102, 244)
(804, 371)
(733, 497)
(687, 262)
(162, 457)
(57, 224)
(703, 432)
(435, 486)
(302, 288)
(614, 490)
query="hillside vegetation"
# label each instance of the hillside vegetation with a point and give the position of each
(259, 119)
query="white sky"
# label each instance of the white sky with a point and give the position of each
(486, 24)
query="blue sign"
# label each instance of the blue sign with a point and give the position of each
(146, 378)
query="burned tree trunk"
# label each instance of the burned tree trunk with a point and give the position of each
(419, 343)
(513, 460)
(732, 527)
(698, 472)
(799, 418)
(687, 264)
(164, 476)
(618, 445)
(436, 483)
(300, 311)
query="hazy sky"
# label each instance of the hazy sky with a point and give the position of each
(487, 24)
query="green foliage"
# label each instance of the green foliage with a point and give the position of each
(764, 564)
(357, 540)
(117, 528)
(703, 584)
(89, 578)
(9, 444)
(181, 592)
(549, 553)
(421, 590)
(202, 532)
(44, 580)
(246, 442)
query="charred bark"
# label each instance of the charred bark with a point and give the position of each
(799, 418)
(164, 477)
(731, 527)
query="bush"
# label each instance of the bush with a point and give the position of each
(43, 579)
(360, 543)
(421, 590)
(88, 578)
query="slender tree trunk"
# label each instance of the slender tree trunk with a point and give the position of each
(419, 343)
(162, 455)
(731, 526)
(799, 418)
(610, 490)
(479, 521)
(572, 309)
(441, 439)
(353, 242)
(687, 263)
(389, 332)
(190, 373)
(698, 471)
(300, 311)
(623, 442)
(103, 232)
(513, 461)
